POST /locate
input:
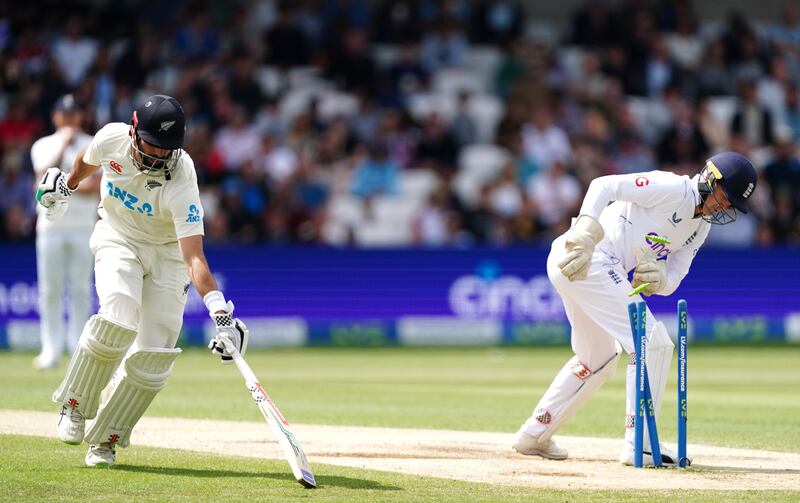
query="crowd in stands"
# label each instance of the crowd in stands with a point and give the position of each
(426, 122)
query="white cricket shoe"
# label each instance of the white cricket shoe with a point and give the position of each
(668, 456)
(531, 446)
(71, 425)
(101, 455)
(44, 361)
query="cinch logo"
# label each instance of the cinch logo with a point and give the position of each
(660, 249)
(115, 166)
(489, 294)
(194, 214)
(642, 181)
(129, 200)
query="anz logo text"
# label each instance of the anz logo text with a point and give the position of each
(194, 214)
(129, 200)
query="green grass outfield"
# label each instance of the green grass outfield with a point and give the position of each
(743, 396)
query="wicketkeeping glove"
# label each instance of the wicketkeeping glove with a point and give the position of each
(581, 240)
(53, 193)
(650, 270)
(230, 331)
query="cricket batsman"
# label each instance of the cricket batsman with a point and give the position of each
(147, 246)
(589, 267)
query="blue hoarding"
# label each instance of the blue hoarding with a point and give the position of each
(478, 295)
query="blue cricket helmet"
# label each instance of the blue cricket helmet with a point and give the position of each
(735, 174)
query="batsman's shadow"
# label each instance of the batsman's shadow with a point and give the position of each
(324, 481)
(742, 469)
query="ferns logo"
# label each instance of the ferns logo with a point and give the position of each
(194, 214)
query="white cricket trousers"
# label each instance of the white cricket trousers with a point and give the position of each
(63, 263)
(140, 286)
(597, 309)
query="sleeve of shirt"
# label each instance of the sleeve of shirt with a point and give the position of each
(40, 158)
(645, 189)
(183, 201)
(679, 262)
(94, 152)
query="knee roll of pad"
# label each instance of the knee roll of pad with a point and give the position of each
(143, 375)
(102, 346)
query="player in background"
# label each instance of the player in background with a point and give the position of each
(63, 259)
(589, 267)
(147, 246)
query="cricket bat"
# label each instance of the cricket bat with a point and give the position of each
(280, 428)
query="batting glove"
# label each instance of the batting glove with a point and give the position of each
(53, 193)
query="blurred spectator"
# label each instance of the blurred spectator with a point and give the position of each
(196, 38)
(684, 142)
(684, 44)
(437, 149)
(544, 142)
(783, 173)
(497, 22)
(715, 132)
(397, 21)
(715, 78)
(785, 35)
(505, 197)
(593, 24)
(445, 46)
(406, 76)
(556, 195)
(238, 141)
(74, 52)
(463, 127)
(287, 45)
(242, 85)
(792, 115)
(752, 121)
(353, 67)
(376, 174)
(771, 90)
(277, 161)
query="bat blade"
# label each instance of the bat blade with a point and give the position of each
(286, 438)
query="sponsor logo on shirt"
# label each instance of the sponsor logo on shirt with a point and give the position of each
(115, 166)
(660, 249)
(152, 184)
(194, 214)
(129, 200)
(642, 181)
(675, 219)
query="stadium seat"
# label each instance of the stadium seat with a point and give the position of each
(478, 165)
(417, 183)
(486, 110)
(453, 81)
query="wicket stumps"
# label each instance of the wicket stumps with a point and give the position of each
(682, 403)
(645, 409)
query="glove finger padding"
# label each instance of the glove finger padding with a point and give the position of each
(575, 265)
(652, 272)
(580, 243)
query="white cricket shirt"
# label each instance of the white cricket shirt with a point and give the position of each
(653, 203)
(144, 208)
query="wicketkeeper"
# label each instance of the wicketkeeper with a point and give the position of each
(589, 267)
(147, 246)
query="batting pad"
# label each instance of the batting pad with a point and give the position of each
(102, 346)
(585, 383)
(145, 373)
(659, 359)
